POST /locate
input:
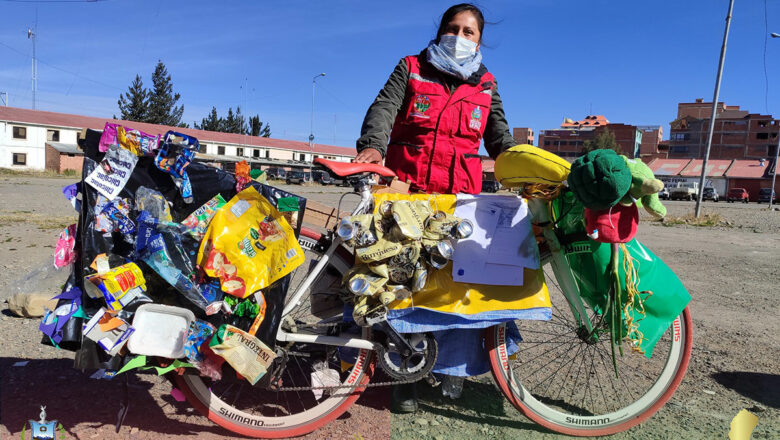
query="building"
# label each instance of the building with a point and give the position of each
(34, 139)
(569, 141)
(722, 175)
(653, 146)
(523, 135)
(738, 134)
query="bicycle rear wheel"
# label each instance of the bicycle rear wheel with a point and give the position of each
(255, 412)
(568, 385)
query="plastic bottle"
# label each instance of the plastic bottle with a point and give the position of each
(452, 386)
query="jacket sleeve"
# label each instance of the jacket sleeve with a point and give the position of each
(375, 132)
(497, 136)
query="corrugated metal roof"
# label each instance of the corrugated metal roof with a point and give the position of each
(715, 168)
(66, 120)
(668, 167)
(748, 169)
(65, 148)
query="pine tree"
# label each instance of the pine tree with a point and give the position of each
(605, 140)
(257, 128)
(234, 122)
(162, 100)
(212, 122)
(134, 104)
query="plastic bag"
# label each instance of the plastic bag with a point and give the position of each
(249, 245)
(136, 141)
(198, 222)
(154, 203)
(64, 253)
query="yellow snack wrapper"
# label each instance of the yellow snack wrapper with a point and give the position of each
(249, 356)
(248, 245)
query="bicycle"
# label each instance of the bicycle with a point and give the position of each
(313, 335)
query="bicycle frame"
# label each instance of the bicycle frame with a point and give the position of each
(539, 209)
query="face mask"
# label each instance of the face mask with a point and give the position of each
(459, 48)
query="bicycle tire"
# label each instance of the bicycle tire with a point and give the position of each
(203, 398)
(546, 408)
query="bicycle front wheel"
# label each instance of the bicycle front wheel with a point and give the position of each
(263, 413)
(568, 385)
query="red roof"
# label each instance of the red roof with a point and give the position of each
(27, 116)
(488, 165)
(590, 120)
(715, 168)
(668, 167)
(748, 168)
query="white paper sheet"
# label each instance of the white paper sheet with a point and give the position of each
(502, 243)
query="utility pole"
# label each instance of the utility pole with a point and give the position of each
(311, 126)
(31, 36)
(777, 151)
(714, 113)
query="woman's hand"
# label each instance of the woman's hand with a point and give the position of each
(368, 155)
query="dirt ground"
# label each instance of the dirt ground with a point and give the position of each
(731, 272)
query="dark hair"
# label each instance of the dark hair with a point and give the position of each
(450, 13)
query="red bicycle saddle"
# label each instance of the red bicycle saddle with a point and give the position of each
(344, 169)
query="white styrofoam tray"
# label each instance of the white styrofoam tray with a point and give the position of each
(160, 331)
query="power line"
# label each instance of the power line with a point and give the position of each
(61, 69)
(766, 77)
(54, 1)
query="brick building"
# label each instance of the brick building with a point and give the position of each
(523, 135)
(738, 134)
(569, 140)
(652, 146)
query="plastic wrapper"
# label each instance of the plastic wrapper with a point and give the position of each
(198, 222)
(54, 321)
(136, 141)
(154, 203)
(71, 192)
(249, 356)
(242, 175)
(113, 173)
(174, 156)
(64, 251)
(249, 245)
(200, 332)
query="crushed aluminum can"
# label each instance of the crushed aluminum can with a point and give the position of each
(439, 255)
(408, 219)
(408, 255)
(358, 285)
(401, 274)
(379, 269)
(356, 230)
(420, 278)
(464, 229)
(379, 251)
(440, 226)
(400, 293)
(387, 297)
(360, 311)
(386, 209)
(362, 281)
(346, 229)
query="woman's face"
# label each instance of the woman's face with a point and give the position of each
(464, 25)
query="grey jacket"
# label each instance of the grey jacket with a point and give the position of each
(375, 132)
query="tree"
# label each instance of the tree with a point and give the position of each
(212, 122)
(134, 104)
(162, 100)
(234, 122)
(257, 128)
(605, 140)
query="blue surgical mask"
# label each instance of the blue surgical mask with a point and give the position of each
(459, 48)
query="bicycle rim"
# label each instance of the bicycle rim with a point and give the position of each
(570, 386)
(244, 409)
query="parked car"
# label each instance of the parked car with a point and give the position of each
(710, 194)
(684, 191)
(664, 194)
(298, 177)
(322, 177)
(490, 186)
(276, 173)
(763, 195)
(738, 195)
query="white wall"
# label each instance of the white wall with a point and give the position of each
(34, 145)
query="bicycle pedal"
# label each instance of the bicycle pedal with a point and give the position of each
(432, 381)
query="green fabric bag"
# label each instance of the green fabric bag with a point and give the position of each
(589, 261)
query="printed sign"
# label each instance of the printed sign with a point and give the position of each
(113, 172)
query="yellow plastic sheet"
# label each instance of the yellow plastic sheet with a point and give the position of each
(443, 294)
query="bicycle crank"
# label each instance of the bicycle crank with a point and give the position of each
(402, 364)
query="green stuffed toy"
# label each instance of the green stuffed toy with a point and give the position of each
(644, 188)
(600, 179)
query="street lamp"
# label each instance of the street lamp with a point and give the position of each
(777, 150)
(311, 126)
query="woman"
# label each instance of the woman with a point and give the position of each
(439, 105)
(435, 109)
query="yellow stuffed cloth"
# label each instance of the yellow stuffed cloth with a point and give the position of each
(528, 164)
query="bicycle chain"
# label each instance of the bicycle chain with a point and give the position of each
(368, 385)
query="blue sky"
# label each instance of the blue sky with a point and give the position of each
(630, 61)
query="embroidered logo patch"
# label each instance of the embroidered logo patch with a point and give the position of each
(421, 104)
(475, 122)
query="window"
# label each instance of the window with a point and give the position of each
(762, 135)
(267, 154)
(239, 151)
(255, 153)
(678, 149)
(202, 148)
(680, 136)
(546, 143)
(762, 123)
(221, 150)
(303, 157)
(20, 132)
(20, 158)
(53, 135)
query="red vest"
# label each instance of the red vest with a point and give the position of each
(435, 140)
